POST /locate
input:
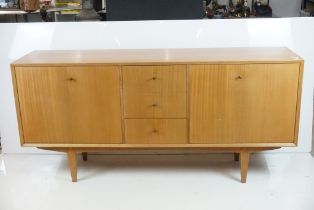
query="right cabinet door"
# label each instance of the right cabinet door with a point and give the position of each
(251, 103)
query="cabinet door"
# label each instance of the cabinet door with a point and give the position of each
(154, 91)
(253, 103)
(44, 102)
(76, 105)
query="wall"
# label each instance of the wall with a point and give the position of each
(19, 39)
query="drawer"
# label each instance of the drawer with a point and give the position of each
(145, 105)
(155, 131)
(154, 91)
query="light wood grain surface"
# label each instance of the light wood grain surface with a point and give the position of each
(17, 105)
(161, 56)
(231, 147)
(244, 164)
(298, 106)
(72, 163)
(155, 131)
(154, 91)
(237, 96)
(70, 104)
(238, 100)
(252, 103)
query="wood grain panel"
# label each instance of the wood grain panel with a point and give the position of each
(70, 104)
(155, 131)
(233, 147)
(154, 91)
(44, 104)
(298, 107)
(17, 105)
(95, 104)
(254, 103)
(160, 56)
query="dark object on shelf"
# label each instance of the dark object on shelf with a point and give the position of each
(103, 15)
(219, 10)
(209, 13)
(88, 12)
(44, 14)
(119, 10)
(262, 10)
(207, 2)
(231, 8)
(246, 12)
(97, 5)
(239, 8)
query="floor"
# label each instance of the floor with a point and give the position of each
(141, 182)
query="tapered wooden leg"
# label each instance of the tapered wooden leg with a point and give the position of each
(244, 162)
(236, 156)
(84, 154)
(72, 164)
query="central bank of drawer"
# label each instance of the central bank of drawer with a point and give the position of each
(155, 131)
(154, 91)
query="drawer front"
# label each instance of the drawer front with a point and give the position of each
(154, 91)
(155, 131)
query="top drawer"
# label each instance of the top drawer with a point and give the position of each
(154, 91)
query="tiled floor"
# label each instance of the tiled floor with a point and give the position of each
(142, 182)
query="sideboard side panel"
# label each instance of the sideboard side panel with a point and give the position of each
(298, 106)
(17, 105)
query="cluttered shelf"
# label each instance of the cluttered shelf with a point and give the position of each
(96, 10)
(241, 9)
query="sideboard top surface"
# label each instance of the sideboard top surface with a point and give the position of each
(159, 56)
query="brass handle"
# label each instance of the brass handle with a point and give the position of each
(239, 77)
(72, 79)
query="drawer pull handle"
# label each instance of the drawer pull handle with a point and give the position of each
(239, 77)
(154, 105)
(154, 78)
(155, 131)
(72, 79)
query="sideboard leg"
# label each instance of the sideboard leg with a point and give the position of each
(244, 162)
(72, 164)
(236, 156)
(84, 154)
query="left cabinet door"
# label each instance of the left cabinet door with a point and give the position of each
(69, 105)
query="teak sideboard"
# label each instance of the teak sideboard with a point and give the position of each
(239, 100)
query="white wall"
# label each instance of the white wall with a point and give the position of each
(19, 39)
